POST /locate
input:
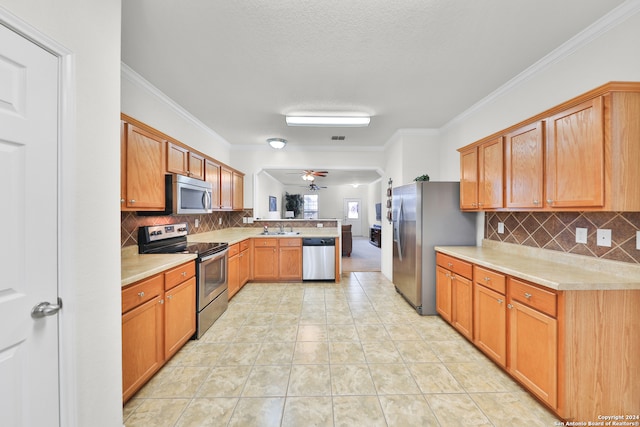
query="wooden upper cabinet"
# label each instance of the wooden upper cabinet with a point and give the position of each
(469, 179)
(212, 175)
(142, 169)
(182, 161)
(575, 157)
(238, 191)
(491, 175)
(524, 167)
(226, 188)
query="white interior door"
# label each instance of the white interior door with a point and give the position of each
(353, 215)
(29, 385)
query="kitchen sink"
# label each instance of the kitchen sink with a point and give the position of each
(280, 233)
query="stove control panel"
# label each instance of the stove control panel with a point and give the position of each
(168, 231)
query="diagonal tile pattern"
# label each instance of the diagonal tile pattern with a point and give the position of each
(326, 354)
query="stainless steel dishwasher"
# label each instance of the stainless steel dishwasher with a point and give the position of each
(318, 258)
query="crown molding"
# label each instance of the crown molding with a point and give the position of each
(135, 78)
(594, 31)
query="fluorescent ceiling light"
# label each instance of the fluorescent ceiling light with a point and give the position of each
(328, 121)
(277, 143)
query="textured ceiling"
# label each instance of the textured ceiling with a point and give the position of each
(240, 66)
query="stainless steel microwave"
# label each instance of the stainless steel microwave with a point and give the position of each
(184, 195)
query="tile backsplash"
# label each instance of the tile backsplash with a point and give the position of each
(557, 231)
(130, 222)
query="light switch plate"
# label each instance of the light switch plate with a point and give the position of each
(250, 220)
(197, 223)
(603, 237)
(581, 235)
(219, 221)
(501, 228)
(638, 240)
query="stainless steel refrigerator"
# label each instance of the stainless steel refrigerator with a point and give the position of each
(425, 215)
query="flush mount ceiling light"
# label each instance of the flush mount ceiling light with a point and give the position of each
(277, 143)
(335, 121)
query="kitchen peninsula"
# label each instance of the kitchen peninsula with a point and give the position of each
(563, 325)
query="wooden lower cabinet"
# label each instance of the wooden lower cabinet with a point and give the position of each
(277, 259)
(180, 316)
(155, 323)
(238, 266)
(490, 323)
(454, 293)
(533, 355)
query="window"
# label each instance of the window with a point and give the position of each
(353, 210)
(310, 206)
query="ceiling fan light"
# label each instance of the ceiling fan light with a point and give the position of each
(335, 121)
(277, 143)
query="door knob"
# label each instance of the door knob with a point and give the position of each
(45, 309)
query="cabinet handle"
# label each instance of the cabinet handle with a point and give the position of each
(509, 306)
(549, 201)
(121, 200)
(169, 296)
(480, 204)
(184, 274)
(132, 201)
(527, 295)
(486, 279)
(535, 202)
(161, 301)
(473, 205)
(449, 264)
(140, 294)
(500, 301)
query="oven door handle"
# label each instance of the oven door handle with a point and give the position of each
(215, 256)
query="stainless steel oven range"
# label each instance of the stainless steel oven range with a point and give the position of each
(212, 296)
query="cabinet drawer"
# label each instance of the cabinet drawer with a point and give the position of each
(290, 242)
(234, 250)
(490, 279)
(460, 267)
(262, 242)
(134, 295)
(533, 296)
(244, 245)
(179, 274)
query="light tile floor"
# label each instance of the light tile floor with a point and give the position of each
(326, 354)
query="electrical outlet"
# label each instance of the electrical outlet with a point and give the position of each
(197, 223)
(603, 237)
(638, 240)
(581, 235)
(501, 228)
(319, 225)
(244, 220)
(219, 221)
(250, 220)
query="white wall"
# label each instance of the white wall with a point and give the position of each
(91, 158)
(609, 57)
(266, 186)
(146, 103)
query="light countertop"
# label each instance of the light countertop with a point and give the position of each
(136, 267)
(553, 269)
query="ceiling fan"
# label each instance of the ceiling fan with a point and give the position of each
(310, 175)
(313, 187)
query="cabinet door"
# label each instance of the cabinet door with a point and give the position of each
(233, 275)
(443, 293)
(142, 345)
(290, 263)
(265, 262)
(533, 350)
(180, 315)
(491, 175)
(462, 299)
(245, 267)
(575, 157)
(524, 167)
(144, 170)
(226, 188)
(469, 179)
(212, 175)
(238, 191)
(196, 166)
(490, 323)
(177, 159)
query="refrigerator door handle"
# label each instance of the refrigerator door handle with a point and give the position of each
(399, 231)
